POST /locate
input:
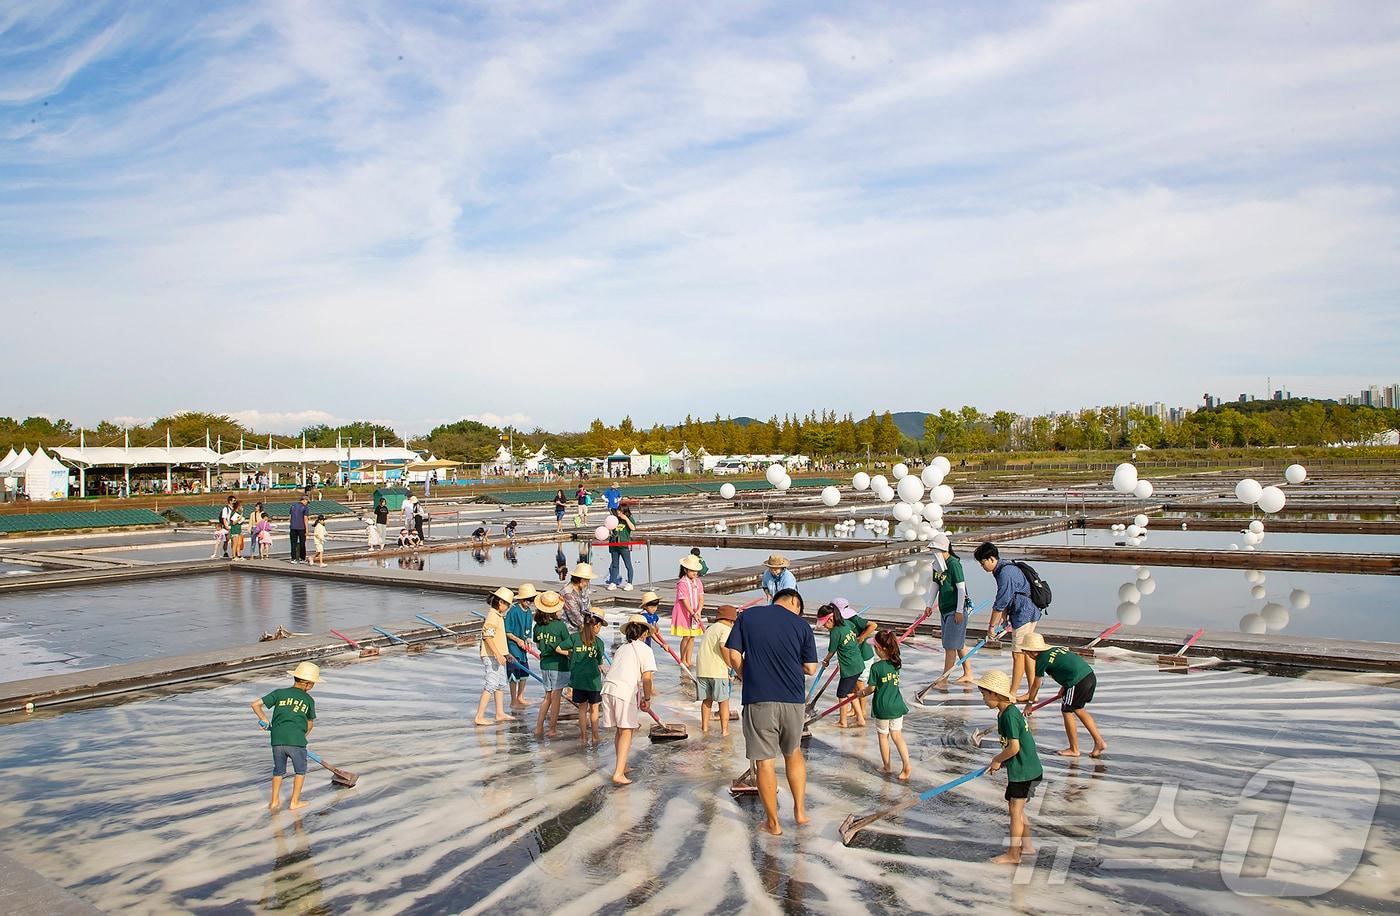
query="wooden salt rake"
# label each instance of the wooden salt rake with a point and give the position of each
(1087, 650)
(365, 651)
(1178, 661)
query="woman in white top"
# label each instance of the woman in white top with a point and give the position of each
(631, 671)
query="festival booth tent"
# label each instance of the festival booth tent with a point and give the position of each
(615, 459)
(346, 458)
(44, 477)
(8, 478)
(637, 463)
(126, 457)
(422, 470)
(660, 464)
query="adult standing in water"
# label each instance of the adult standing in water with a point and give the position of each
(578, 597)
(949, 594)
(690, 605)
(773, 651)
(620, 550)
(381, 519)
(1013, 601)
(777, 576)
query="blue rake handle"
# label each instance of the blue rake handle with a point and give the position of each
(309, 752)
(939, 790)
(435, 625)
(396, 640)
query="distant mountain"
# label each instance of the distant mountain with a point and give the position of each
(911, 423)
(744, 421)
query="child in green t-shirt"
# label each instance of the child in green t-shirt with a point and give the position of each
(845, 647)
(290, 722)
(584, 651)
(550, 634)
(889, 708)
(1018, 755)
(1076, 677)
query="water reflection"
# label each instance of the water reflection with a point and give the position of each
(293, 884)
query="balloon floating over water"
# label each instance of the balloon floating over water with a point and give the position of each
(727, 491)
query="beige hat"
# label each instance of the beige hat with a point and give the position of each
(1033, 642)
(690, 561)
(307, 671)
(638, 618)
(549, 603)
(504, 594)
(526, 590)
(996, 682)
(777, 561)
(650, 598)
(582, 571)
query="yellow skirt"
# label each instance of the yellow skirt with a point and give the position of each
(686, 631)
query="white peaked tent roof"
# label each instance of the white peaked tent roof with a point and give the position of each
(15, 468)
(316, 455)
(110, 455)
(39, 461)
(635, 453)
(8, 460)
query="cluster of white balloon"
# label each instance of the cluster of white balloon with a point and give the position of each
(918, 520)
(1125, 480)
(914, 582)
(1269, 500)
(773, 527)
(1135, 533)
(1130, 595)
(605, 530)
(1273, 616)
(876, 526)
(778, 476)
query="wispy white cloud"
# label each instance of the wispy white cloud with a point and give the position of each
(389, 210)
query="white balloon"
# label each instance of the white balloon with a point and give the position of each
(1257, 593)
(775, 473)
(910, 489)
(931, 476)
(878, 482)
(1234, 546)
(610, 522)
(1253, 576)
(830, 496)
(785, 483)
(933, 513)
(886, 494)
(927, 530)
(1295, 473)
(1144, 573)
(1147, 587)
(1275, 616)
(1252, 623)
(900, 471)
(1250, 538)
(1256, 526)
(904, 586)
(727, 491)
(911, 535)
(1271, 499)
(1125, 477)
(1248, 490)
(1141, 520)
(1249, 547)
(1134, 531)
(903, 511)
(1129, 613)
(1300, 599)
(1134, 542)
(943, 464)
(1142, 489)
(943, 494)
(864, 576)
(861, 481)
(600, 533)
(1128, 591)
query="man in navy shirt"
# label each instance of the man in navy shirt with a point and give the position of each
(296, 529)
(772, 650)
(1014, 601)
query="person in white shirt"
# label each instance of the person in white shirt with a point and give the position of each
(631, 671)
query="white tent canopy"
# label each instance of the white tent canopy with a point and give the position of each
(15, 468)
(8, 460)
(118, 456)
(261, 456)
(45, 478)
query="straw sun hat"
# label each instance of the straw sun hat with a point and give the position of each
(549, 603)
(1033, 642)
(307, 671)
(583, 571)
(504, 595)
(777, 561)
(650, 598)
(527, 590)
(996, 682)
(690, 561)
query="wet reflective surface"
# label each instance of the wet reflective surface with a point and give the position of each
(1168, 535)
(1338, 605)
(156, 806)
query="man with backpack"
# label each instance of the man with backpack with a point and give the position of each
(1013, 601)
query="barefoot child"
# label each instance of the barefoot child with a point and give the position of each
(844, 646)
(264, 534)
(651, 605)
(714, 670)
(520, 626)
(1073, 674)
(550, 634)
(220, 540)
(292, 718)
(318, 538)
(889, 707)
(949, 594)
(1018, 755)
(584, 650)
(865, 632)
(493, 657)
(631, 671)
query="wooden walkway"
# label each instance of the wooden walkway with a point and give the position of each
(1370, 563)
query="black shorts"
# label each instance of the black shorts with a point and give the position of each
(581, 696)
(846, 686)
(1079, 696)
(1024, 789)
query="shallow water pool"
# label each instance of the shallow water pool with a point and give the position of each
(157, 806)
(1169, 536)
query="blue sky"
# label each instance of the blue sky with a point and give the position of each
(549, 211)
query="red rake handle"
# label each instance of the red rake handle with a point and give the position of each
(858, 695)
(648, 710)
(1043, 703)
(1102, 636)
(673, 655)
(353, 644)
(1190, 642)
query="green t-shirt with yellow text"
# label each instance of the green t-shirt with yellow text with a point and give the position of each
(291, 709)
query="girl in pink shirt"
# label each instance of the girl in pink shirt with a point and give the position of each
(690, 604)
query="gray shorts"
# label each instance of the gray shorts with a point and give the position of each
(554, 680)
(772, 729)
(282, 754)
(715, 689)
(493, 675)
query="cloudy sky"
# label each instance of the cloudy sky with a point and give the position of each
(550, 211)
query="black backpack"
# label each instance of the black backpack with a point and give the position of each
(1040, 589)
